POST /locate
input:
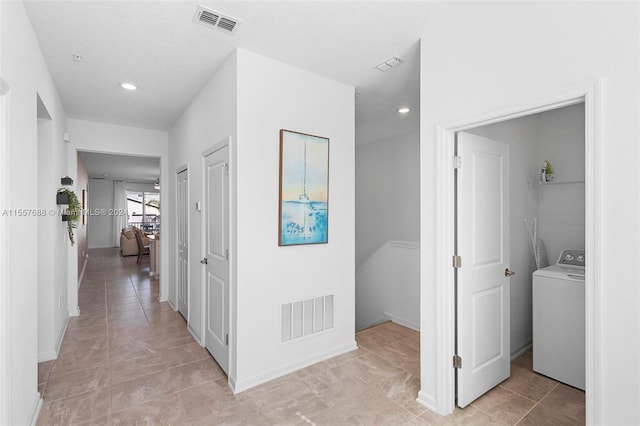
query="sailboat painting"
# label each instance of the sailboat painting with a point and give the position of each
(304, 189)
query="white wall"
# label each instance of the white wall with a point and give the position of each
(557, 136)
(81, 232)
(388, 286)
(113, 139)
(283, 97)
(251, 107)
(101, 226)
(387, 192)
(561, 207)
(209, 118)
(513, 53)
(52, 240)
(25, 72)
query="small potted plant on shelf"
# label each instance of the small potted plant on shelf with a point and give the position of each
(72, 213)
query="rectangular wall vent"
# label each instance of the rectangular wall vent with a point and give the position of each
(217, 20)
(306, 317)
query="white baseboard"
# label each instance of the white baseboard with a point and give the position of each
(427, 400)
(84, 267)
(522, 349)
(53, 354)
(195, 335)
(47, 356)
(74, 312)
(401, 321)
(35, 410)
(61, 336)
(243, 385)
(170, 302)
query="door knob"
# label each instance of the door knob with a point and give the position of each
(508, 273)
(204, 261)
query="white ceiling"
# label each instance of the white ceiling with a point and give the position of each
(156, 45)
(121, 167)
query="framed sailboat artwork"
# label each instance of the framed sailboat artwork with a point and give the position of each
(304, 189)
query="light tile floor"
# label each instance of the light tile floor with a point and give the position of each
(128, 359)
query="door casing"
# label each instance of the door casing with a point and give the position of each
(227, 141)
(443, 340)
(184, 168)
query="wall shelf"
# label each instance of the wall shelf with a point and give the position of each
(567, 182)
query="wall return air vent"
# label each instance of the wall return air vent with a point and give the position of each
(217, 20)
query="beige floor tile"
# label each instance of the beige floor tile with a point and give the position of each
(169, 338)
(286, 401)
(128, 348)
(366, 409)
(77, 361)
(567, 400)
(184, 354)
(467, 416)
(403, 354)
(244, 414)
(87, 320)
(44, 368)
(133, 368)
(141, 390)
(82, 333)
(504, 404)
(94, 344)
(524, 361)
(65, 385)
(79, 409)
(528, 384)
(542, 415)
(147, 388)
(209, 399)
(163, 411)
(141, 362)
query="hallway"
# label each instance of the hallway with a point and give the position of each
(128, 359)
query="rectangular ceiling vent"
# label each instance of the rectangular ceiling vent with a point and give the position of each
(219, 21)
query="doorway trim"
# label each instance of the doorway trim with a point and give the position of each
(443, 402)
(5, 254)
(182, 168)
(231, 315)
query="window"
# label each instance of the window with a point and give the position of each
(144, 210)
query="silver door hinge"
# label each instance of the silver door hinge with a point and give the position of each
(226, 339)
(457, 361)
(226, 254)
(226, 168)
(457, 261)
(457, 162)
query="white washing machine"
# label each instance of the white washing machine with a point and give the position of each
(558, 319)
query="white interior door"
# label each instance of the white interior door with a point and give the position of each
(183, 242)
(483, 322)
(217, 256)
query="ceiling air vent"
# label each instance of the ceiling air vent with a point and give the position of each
(217, 20)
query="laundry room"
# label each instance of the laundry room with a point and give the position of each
(546, 220)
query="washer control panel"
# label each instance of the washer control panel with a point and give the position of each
(570, 257)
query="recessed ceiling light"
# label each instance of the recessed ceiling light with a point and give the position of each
(128, 86)
(404, 110)
(76, 58)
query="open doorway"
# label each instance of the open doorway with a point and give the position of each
(442, 399)
(521, 189)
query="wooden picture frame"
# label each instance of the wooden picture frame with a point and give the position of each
(304, 189)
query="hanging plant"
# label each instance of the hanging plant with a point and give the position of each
(72, 213)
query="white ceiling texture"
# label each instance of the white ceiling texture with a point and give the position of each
(121, 167)
(157, 46)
